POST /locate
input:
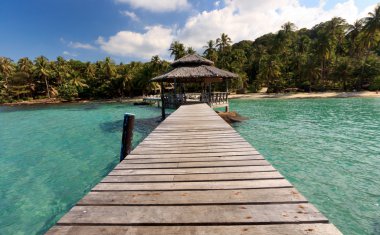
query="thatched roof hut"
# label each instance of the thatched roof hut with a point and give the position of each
(194, 68)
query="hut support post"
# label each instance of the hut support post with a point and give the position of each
(162, 101)
(209, 94)
(126, 141)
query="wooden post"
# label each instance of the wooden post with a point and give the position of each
(228, 105)
(209, 94)
(126, 141)
(162, 101)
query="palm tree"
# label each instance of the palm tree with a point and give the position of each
(6, 68)
(210, 51)
(43, 72)
(371, 29)
(324, 50)
(223, 42)
(109, 68)
(302, 46)
(270, 72)
(372, 24)
(76, 80)
(190, 51)
(289, 27)
(177, 49)
(353, 33)
(311, 71)
(61, 69)
(25, 70)
(25, 65)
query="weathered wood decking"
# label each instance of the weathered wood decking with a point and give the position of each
(194, 174)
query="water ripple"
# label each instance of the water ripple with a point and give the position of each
(328, 148)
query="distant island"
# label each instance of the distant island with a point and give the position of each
(331, 56)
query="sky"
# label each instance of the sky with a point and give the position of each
(136, 30)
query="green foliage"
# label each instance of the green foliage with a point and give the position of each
(332, 55)
(375, 84)
(68, 92)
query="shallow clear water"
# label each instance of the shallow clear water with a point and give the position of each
(328, 148)
(50, 156)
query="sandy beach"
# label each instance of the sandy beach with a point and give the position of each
(294, 95)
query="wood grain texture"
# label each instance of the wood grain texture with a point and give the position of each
(194, 174)
(284, 229)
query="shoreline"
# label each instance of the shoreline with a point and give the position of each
(248, 96)
(307, 95)
(79, 101)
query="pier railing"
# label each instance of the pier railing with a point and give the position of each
(173, 101)
(215, 98)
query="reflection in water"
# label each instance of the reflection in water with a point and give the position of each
(142, 125)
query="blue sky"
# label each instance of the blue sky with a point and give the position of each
(126, 30)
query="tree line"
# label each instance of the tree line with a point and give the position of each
(332, 55)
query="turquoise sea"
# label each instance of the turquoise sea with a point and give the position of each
(51, 155)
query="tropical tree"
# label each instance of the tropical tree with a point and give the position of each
(223, 43)
(270, 73)
(190, 51)
(25, 65)
(353, 33)
(61, 70)
(210, 51)
(77, 80)
(177, 50)
(43, 72)
(372, 26)
(6, 69)
(311, 73)
(109, 68)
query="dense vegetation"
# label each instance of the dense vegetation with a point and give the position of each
(332, 55)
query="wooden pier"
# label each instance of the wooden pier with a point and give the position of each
(194, 174)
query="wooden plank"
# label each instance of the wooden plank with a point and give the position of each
(194, 147)
(206, 150)
(194, 155)
(198, 185)
(125, 165)
(206, 136)
(194, 169)
(236, 169)
(197, 215)
(286, 229)
(196, 141)
(193, 177)
(137, 159)
(209, 197)
(199, 143)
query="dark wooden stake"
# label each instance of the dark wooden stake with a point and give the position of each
(126, 141)
(162, 101)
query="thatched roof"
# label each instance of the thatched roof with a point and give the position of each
(191, 60)
(193, 68)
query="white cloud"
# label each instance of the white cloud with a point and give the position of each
(249, 19)
(70, 54)
(155, 41)
(367, 10)
(240, 19)
(158, 6)
(78, 45)
(131, 15)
